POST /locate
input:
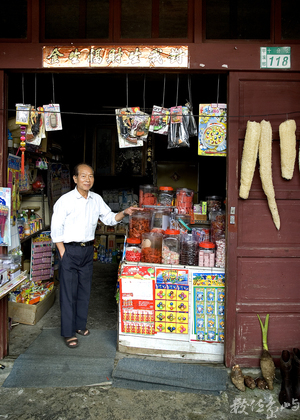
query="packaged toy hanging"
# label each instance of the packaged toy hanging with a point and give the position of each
(125, 121)
(178, 134)
(160, 120)
(36, 129)
(52, 117)
(212, 129)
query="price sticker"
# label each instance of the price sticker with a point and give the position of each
(275, 58)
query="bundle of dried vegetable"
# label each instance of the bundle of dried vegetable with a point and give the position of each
(249, 157)
(287, 135)
(265, 169)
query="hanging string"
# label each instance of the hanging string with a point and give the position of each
(218, 90)
(23, 93)
(144, 94)
(190, 90)
(164, 92)
(177, 89)
(126, 90)
(53, 94)
(35, 91)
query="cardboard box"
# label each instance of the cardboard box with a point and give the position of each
(31, 314)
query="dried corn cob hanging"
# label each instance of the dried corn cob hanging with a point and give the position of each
(287, 135)
(265, 169)
(249, 157)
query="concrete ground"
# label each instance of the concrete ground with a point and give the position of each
(108, 403)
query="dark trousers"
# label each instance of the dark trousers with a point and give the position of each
(75, 277)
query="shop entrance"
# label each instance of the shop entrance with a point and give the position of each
(88, 103)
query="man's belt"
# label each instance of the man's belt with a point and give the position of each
(80, 243)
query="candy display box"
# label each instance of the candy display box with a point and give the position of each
(31, 314)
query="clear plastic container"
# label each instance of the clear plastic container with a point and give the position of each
(188, 250)
(148, 195)
(175, 222)
(217, 225)
(165, 196)
(139, 222)
(220, 252)
(184, 200)
(201, 234)
(171, 247)
(133, 249)
(160, 220)
(152, 247)
(206, 254)
(214, 203)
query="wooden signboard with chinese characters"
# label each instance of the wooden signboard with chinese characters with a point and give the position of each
(132, 56)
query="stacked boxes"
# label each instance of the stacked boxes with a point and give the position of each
(41, 257)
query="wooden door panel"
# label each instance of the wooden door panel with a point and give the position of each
(281, 334)
(256, 227)
(271, 100)
(261, 278)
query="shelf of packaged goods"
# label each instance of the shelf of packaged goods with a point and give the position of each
(34, 234)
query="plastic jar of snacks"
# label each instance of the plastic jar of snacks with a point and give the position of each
(171, 247)
(160, 220)
(148, 195)
(188, 250)
(184, 200)
(152, 247)
(214, 203)
(217, 225)
(220, 252)
(176, 222)
(139, 222)
(133, 249)
(206, 254)
(165, 196)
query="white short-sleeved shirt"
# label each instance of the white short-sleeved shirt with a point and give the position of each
(75, 218)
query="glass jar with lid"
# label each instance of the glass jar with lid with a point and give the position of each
(139, 222)
(133, 249)
(165, 196)
(171, 247)
(206, 254)
(152, 247)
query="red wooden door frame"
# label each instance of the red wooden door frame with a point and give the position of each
(3, 166)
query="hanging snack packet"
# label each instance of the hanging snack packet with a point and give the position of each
(160, 120)
(178, 134)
